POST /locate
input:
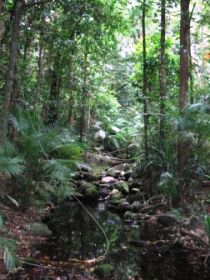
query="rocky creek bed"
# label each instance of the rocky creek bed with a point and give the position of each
(146, 239)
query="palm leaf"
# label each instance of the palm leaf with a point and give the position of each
(11, 166)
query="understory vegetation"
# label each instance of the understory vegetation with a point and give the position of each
(90, 84)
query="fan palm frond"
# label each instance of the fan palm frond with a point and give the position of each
(8, 150)
(11, 166)
(57, 170)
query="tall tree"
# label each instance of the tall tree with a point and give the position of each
(83, 128)
(190, 61)
(1, 21)
(13, 54)
(183, 94)
(16, 10)
(163, 87)
(144, 89)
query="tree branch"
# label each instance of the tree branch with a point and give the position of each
(191, 14)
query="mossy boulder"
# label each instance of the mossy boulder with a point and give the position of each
(91, 177)
(83, 167)
(113, 172)
(129, 215)
(122, 186)
(116, 197)
(104, 271)
(137, 205)
(89, 190)
(38, 229)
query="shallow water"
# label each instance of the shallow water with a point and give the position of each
(76, 235)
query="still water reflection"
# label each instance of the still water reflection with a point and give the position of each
(76, 235)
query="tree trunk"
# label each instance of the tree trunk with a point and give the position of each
(40, 71)
(84, 101)
(71, 96)
(190, 73)
(163, 85)
(144, 89)
(2, 26)
(15, 97)
(54, 98)
(190, 62)
(184, 54)
(183, 97)
(7, 91)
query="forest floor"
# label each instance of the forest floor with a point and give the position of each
(34, 266)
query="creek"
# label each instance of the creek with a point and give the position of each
(77, 236)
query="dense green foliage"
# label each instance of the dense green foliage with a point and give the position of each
(72, 69)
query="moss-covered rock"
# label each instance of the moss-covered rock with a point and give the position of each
(116, 197)
(113, 172)
(104, 271)
(39, 229)
(122, 186)
(136, 206)
(89, 190)
(91, 177)
(129, 215)
(84, 167)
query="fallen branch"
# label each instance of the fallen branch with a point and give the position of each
(152, 208)
(88, 261)
(143, 243)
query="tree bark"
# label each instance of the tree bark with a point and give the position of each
(54, 97)
(163, 85)
(190, 62)
(183, 96)
(39, 72)
(71, 96)
(184, 54)
(2, 26)
(15, 91)
(144, 89)
(7, 91)
(84, 100)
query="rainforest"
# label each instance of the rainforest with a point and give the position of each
(105, 139)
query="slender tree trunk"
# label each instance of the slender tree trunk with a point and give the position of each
(71, 96)
(7, 91)
(54, 98)
(40, 72)
(163, 85)
(184, 54)
(183, 96)
(191, 73)
(28, 40)
(144, 89)
(190, 61)
(84, 100)
(15, 91)
(87, 115)
(2, 26)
